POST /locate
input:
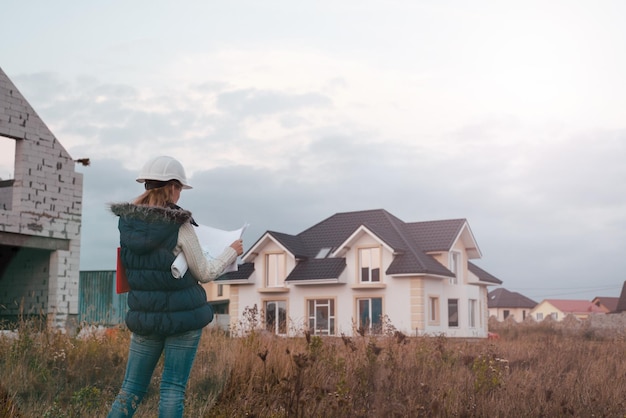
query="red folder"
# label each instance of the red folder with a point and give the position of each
(121, 282)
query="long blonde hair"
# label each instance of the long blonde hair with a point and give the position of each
(159, 196)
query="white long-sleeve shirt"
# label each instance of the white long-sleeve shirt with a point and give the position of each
(201, 268)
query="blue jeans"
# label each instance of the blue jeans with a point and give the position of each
(180, 352)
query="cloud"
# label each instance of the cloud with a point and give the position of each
(545, 201)
(105, 181)
(252, 102)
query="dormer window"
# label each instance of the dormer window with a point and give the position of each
(275, 269)
(369, 265)
(323, 252)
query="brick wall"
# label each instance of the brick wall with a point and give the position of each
(40, 228)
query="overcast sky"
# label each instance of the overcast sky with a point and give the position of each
(510, 114)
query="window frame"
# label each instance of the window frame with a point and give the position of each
(372, 325)
(278, 327)
(374, 267)
(434, 310)
(456, 304)
(277, 277)
(315, 306)
(472, 305)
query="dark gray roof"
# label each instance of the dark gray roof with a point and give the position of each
(333, 231)
(435, 235)
(243, 273)
(318, 269)
(291, 243)
(409, 241)
(502, 298)
(483, 275)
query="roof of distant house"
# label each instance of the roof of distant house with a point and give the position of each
(610, 303)
(621, 304)
(503, 298)
(574, 306)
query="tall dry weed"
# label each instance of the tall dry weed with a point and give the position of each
(535, 371)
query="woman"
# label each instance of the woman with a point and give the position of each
(166, 315)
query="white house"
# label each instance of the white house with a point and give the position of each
(364, 271)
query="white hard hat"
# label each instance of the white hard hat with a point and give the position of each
(163, 168)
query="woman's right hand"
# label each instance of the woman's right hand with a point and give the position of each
(237, 246)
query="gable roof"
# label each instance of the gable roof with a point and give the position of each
(610, 303)
(441, 235)
(435, 235)
(335, 230)
(482, 275)
(574, 306)
(293, 244)
(502, 298)
(409, 242)
(318, 268)
(242, 273)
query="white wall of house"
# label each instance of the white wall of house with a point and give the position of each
(405, 300)
(518, 314)
(463, 293)
(545, 309)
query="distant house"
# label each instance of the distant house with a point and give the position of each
(560, 308)
(607, 304)
(504, 304)
(358, 271)
(621, 303)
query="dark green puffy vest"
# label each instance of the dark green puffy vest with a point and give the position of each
(158, 303)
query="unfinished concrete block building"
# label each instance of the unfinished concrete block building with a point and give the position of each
(40, 219)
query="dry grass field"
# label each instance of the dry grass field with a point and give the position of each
(532, 371)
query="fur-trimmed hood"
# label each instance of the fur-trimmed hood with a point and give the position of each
(143, 228)
(151, 213)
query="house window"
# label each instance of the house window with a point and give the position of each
(276, 316)
(275, 270)
(472, 313)
(455, 266)
(433, 310)
(322, 316)
(539, 316)
(369, 312)
(555, 316)
(523, 314)
(453, 312)
(506, 313)
(369, 264)
(220, 290)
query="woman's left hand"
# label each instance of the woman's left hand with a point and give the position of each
(237, 246)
